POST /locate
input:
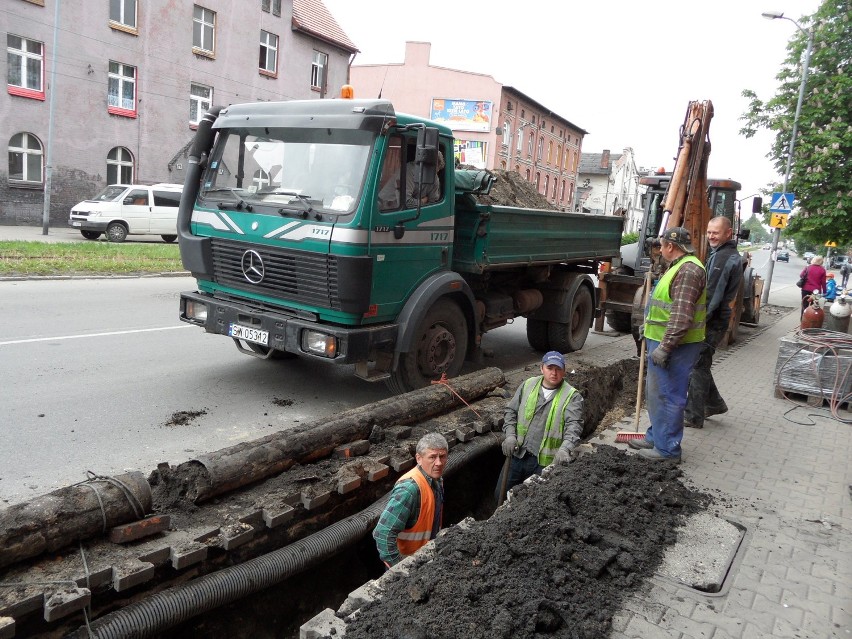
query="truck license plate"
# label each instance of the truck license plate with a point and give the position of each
(76, 224)
(249, 334)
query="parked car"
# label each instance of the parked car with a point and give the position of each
(124, 209)
(783, 256)
(838, 260)
(808, 256)
(767, 246)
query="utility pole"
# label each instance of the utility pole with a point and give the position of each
(48, 173)
(805, 65)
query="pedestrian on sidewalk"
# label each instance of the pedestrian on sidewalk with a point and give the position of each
(814, 275)
(674, 332)
(543, 422)
(830, 287)
(845, 269)
(415, 509)
(724, 274)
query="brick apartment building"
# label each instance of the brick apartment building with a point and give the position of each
(111, 90)
(496, 126)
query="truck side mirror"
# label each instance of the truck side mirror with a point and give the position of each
(757, 205)
(426, 155)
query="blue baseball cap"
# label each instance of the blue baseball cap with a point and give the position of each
(555, 358)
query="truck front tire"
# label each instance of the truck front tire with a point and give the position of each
(439, 347)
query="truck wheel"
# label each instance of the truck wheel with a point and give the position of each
(116, 232)
(571, 336)
(537, 334)
(619, 321)
(169, 238)
(439, 347)
(91, 235)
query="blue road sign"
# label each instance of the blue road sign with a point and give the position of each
(782, 202)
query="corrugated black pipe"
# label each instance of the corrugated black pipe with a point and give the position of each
(175, 605)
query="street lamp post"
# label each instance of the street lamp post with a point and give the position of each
(774, 15)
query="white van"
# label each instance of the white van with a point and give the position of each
(121, 210)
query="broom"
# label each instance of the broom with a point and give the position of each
(624, 436)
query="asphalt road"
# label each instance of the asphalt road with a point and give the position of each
(94, 369)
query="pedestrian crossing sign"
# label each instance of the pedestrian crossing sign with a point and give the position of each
(782, 202)
(779, 220)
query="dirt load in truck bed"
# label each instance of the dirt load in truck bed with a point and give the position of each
(510, 189)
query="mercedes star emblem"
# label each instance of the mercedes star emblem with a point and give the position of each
(252, 265)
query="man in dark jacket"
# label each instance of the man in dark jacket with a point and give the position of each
(724, 274)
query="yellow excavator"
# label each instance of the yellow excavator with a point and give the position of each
(685, 197)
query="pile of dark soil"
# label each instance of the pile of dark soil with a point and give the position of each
(556, 561)
(510, 189)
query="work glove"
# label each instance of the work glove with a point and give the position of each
(563, 456)
(509, 445)
(660, 357)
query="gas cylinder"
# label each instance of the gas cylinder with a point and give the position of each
(813, 315)
(837, 318)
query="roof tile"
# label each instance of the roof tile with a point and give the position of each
(312, 16)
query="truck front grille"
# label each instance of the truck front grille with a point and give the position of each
(294, 276)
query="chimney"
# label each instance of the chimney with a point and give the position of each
(417, 53)
(605, 159)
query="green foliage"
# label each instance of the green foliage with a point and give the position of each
(629, 238)
(821, 174)
(87, 258)
(758, 233)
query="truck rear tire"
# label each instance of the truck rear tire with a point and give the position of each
(169, 238)
(571, 336)
(619, 321)
(439, 347)
(91, 235)
(537, 334)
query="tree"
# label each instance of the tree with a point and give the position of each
(758, 233)
(821, 173)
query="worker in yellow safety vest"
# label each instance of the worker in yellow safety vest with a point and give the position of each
(674, 333)
(543, 422)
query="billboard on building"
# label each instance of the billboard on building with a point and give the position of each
(463, 115)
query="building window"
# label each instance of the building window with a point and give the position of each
(538, 181)
(558, 155)
(203, 30)
(268, 52)
(520, 143)
(260, 179)
(530, 143)
(25, 64)
(264, 5)
(540, 146)
(318, 67)
(276, 7)
(119, 166)
(121, 97)
(200, 99)
(528, 175)
(507, 133)
(549, 151)
(25, 159)
(123, 12)
(562, 192)
(546, 184)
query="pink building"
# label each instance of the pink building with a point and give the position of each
(496, 126)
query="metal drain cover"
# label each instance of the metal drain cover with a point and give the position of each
(703, 553)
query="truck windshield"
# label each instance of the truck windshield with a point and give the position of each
(289, 168)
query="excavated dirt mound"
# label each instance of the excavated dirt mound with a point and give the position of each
(555, 562)
(510, 189)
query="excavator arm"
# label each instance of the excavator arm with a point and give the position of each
(685, 203)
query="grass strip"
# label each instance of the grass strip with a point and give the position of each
(19, 258)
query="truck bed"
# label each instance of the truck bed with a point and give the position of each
(493, 237)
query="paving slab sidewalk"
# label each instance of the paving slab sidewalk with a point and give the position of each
(783, 473)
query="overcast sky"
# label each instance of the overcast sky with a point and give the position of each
(622, 70)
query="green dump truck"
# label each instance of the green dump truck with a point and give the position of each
(331, 229)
